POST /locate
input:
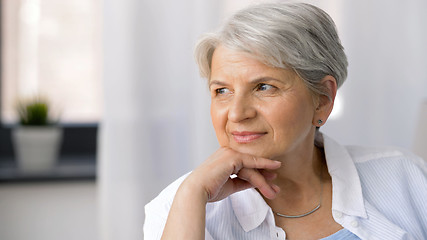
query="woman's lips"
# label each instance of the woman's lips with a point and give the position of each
(246, 137)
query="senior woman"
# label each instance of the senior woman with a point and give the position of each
(273, 71)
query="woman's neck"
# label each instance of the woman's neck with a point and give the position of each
(300, 180)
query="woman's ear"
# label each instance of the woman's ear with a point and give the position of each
(325, 102)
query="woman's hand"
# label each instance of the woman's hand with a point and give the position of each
(211, 182)
(213, 176)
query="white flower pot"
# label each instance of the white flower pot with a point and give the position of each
(36, 147)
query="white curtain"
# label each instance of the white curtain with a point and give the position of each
(156, 123)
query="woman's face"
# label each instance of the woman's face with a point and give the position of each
(257, 109)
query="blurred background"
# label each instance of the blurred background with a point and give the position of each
(121, 79)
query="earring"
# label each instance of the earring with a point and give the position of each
(320, 121)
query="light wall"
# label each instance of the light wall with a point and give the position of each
(387, 81)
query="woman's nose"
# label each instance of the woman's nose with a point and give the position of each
(241, 108)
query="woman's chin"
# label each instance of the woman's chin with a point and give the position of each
(251, 150)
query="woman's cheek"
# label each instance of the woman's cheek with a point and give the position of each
(219, 122)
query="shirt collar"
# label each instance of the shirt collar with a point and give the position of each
(347, 194)
(251, 209)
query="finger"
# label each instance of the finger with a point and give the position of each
(240, 185)
(255, 178)
(275, 188)
(232, 185)
(269, 176)
(248, 161)
(260, 163)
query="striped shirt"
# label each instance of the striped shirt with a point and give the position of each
(342, 234)
(378, 193)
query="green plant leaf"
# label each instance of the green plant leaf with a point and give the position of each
(34, 112)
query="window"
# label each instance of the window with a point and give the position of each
(53, 48)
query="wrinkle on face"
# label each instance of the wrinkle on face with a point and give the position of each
(285, 114)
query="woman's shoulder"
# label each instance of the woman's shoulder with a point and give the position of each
(393, 158)
(367, 158)
(393, 182)
(388, 166)
(156, 211)
(162, 203)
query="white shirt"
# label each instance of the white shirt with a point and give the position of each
(377, 193)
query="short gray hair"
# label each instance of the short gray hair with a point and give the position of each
(298, 36)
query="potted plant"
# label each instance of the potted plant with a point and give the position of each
(36, 138)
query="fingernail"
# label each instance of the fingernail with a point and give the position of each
(275, 188)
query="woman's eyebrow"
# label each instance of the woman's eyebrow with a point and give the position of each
(254, 81)
(265, 79)
(217, 82)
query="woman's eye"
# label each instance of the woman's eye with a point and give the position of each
(264, 87)
(222, 91)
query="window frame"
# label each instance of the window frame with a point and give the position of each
(79, 146)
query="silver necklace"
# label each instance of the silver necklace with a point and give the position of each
(309, 212)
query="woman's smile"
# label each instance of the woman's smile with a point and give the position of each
(246, 137)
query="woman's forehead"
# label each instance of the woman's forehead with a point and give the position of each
(227, 63)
